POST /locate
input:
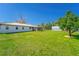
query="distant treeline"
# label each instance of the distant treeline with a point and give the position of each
(46, 26)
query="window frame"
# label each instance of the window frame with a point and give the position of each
(7, 28)
(22, 28)
(16, 27)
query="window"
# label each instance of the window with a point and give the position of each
(30, 27)
(23, 28)
(0, 26)
(16, 27)
(7, 27)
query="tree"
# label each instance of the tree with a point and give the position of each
(21, 20)
(50, 25)
(46, 26)
(43, 26)
(69, 23)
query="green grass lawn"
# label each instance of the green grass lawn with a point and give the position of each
(40, 43)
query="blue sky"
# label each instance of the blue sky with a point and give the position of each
(35, 13)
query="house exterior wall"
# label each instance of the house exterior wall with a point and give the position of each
(13, 29)
(56, 28)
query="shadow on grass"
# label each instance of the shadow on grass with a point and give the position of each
(16, 32)
(76, 36)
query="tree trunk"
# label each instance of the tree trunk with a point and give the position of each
(70, 33)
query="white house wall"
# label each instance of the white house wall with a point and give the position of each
(56, 28)
(13, 29)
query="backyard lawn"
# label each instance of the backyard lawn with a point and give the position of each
(40, 43)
